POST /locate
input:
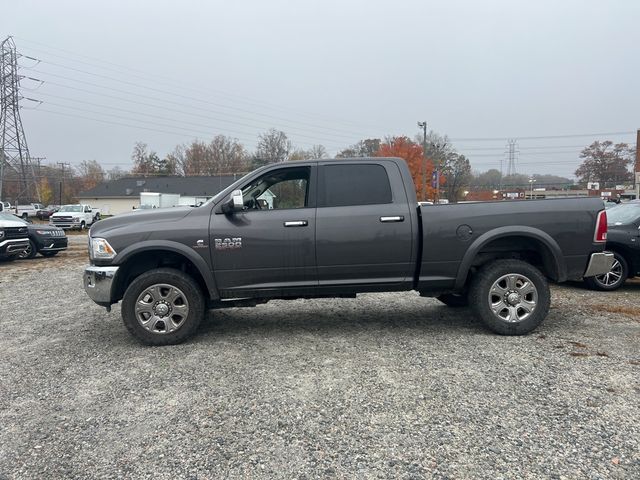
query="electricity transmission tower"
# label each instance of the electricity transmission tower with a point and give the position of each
(511, 157)
(15, 161)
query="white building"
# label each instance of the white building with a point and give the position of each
(125, 194)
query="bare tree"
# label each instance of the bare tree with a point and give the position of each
(90, 174)
(228, 155)
(315, 152)
(457, 172)
(116, 173)
(273, 147)
(364, 148)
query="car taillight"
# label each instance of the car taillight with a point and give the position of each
(601, 228)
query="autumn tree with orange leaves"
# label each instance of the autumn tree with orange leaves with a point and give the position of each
(411, 152)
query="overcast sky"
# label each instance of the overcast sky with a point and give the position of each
(328, 72)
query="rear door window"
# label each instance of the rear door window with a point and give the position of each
(354, 184)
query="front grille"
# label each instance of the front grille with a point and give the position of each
(57, 233)
(61, 219)
(15, 232)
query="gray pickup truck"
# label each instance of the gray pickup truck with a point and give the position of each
(336, 228)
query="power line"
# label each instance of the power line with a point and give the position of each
(175, 82)
(227, 120)
(541, 137)
(199, 124)
(185, 97)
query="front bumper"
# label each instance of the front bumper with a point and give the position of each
(52, 244)
(98, 282)
(599, 264)
(67, 225)
(13, 246)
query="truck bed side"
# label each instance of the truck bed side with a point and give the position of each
(557, 235)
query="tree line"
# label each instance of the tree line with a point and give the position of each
(602, 161)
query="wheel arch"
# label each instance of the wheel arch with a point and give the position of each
(147, 255)
(528, 243)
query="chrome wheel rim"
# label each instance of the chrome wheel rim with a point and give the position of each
(613, 276)
(513, 298)
(26, 253)
(162, 309)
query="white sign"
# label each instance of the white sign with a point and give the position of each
(512, 194)
(605, 194)
(593, 186)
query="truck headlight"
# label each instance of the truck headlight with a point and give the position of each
(1, 233)
(100, 248)
(76, 219)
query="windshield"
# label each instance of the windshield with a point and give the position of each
(13, 218)
(623, 214)
(71, 208)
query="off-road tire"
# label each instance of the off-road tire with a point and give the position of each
(454, 300)
(165, 276)
(482, 283)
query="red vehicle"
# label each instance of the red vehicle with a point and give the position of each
(45, 213)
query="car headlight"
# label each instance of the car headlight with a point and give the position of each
(76, 219)
(100, 248)
(44, 232)
(1, 233)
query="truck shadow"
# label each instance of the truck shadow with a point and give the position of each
(289, 320)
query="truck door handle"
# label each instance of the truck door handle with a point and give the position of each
(296, 223)
(396, 218)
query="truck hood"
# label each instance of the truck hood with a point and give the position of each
(11, 223)
(137, 219)
(67, 214)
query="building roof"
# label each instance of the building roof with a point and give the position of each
(206, 186)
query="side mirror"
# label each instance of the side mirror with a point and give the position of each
(235, 203)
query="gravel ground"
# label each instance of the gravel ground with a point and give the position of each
(385, 386)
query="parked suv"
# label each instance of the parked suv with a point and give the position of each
(43, 239)
(13, 236)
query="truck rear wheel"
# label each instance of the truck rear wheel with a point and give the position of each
(163, 306)
(511, 297)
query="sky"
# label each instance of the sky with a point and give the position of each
(328, 72)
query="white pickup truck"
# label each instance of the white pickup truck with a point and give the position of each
(29, 210)
(75, 216)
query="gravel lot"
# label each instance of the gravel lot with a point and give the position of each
(385, 386)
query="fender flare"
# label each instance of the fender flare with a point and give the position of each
(511, 231)
(175, 247)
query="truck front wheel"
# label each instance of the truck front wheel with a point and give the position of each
(163, 306)
(511, 297)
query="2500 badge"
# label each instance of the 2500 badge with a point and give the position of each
(227, 243)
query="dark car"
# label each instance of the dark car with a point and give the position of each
(43, 239)
(623, 239)
(46, 212)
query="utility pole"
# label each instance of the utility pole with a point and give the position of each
(14, 153)
(61, 183)
(423, 165)
(637, 169)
